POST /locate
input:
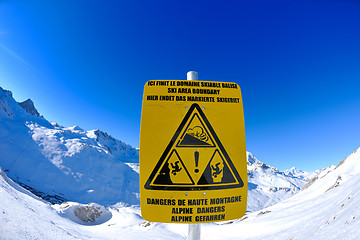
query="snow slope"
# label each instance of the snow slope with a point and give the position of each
(327, 209)
(25, 216)
(267, 185)
(64, 163)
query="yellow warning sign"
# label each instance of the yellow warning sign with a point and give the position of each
(192, 152)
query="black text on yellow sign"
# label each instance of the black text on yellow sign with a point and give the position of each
(192, 152)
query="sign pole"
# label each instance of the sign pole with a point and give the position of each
(192, 75)
(194, 229)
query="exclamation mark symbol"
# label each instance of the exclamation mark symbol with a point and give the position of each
(196, 155)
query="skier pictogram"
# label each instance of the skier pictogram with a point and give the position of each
(175, 168)
(216, 170)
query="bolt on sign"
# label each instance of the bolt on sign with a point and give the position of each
(193, 166)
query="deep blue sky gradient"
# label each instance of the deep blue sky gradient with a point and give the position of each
(297, 62)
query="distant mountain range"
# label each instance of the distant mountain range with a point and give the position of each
(68, 163)
(267, 185)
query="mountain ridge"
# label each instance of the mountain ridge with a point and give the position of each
(92, 165)
(67, 162)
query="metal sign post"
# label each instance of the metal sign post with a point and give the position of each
(194, 229)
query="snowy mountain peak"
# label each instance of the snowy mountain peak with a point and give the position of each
(267, 185)
(294, 172)
(29, 107)
(7, 92)
(64, 162)
(253, 163)
(114, 146)
(55, 124)
(24, 111)
(251, 159)
(7, 104)
(73, 129)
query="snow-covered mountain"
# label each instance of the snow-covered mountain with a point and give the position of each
(61, 163)
(267, 185)
(69, 163)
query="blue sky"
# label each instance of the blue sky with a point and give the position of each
(297, 62)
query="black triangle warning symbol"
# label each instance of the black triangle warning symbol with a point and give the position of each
(217, 171)
(195, 134)
(173, 172)
(195, 159)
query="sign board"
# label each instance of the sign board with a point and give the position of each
(193, 166)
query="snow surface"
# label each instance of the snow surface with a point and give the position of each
(23, 216)
(327, 209)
